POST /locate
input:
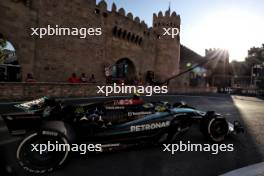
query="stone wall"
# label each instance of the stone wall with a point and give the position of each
(55, 58)
(24, 91)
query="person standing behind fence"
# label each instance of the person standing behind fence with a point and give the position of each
(92, 79)
(30, 78)
(83, 78)
(74, 79)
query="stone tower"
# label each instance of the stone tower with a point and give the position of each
(125, 39)
(167, 48)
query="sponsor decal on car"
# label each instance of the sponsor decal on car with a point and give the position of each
(33, 105)
(149, 126)
(50, 133)
(114, 107)
(138, 113)
(124, 102)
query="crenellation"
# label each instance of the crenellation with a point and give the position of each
(155, 16)
(130, 16)
(174, 14)
(169, 20)
(144, 24)
(167, 13)
(160, 15)
(124, 36)
(137, 19)
(122, 12)
(102, 5)
(114, 7)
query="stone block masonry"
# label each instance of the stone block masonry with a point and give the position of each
(125, 37)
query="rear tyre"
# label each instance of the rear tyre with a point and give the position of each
(215, 129)
(35, 162)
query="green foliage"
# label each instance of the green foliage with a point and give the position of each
(3, 43)
(255, 56)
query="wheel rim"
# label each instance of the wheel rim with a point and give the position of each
(33, 161)
(217, 129)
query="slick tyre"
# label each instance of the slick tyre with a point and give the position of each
(42, 159)
(215, 129)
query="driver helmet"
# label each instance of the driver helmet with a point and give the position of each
(136, 95)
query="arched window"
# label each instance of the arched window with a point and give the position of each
(124, 34)
(97, 11)
(133, 38)
(119, 32)
(128, 36)
(124, 70)
(115, 31)
(136, 40)
(140, 41)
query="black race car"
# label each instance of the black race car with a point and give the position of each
(112, 124)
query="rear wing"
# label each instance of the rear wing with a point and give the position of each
(19, 124)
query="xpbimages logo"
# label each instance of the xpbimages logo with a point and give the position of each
(58, 147)
(173, 32)
(189, 147)
(81, 32)
(124, 89)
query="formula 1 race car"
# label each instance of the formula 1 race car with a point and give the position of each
(112, 124)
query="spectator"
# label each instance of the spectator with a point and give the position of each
(30, 78)
(120, 81)
(140, 79)
(108, 75)
(83, 78)
(135, 81)
(92, 79)
(74, 79)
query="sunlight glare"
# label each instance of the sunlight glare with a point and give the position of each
(231, 30)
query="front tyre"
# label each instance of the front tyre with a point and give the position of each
(34, 161)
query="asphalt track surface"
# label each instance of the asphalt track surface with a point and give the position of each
(151, 160)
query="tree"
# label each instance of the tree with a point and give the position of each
(255, 56)
(3, 44)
